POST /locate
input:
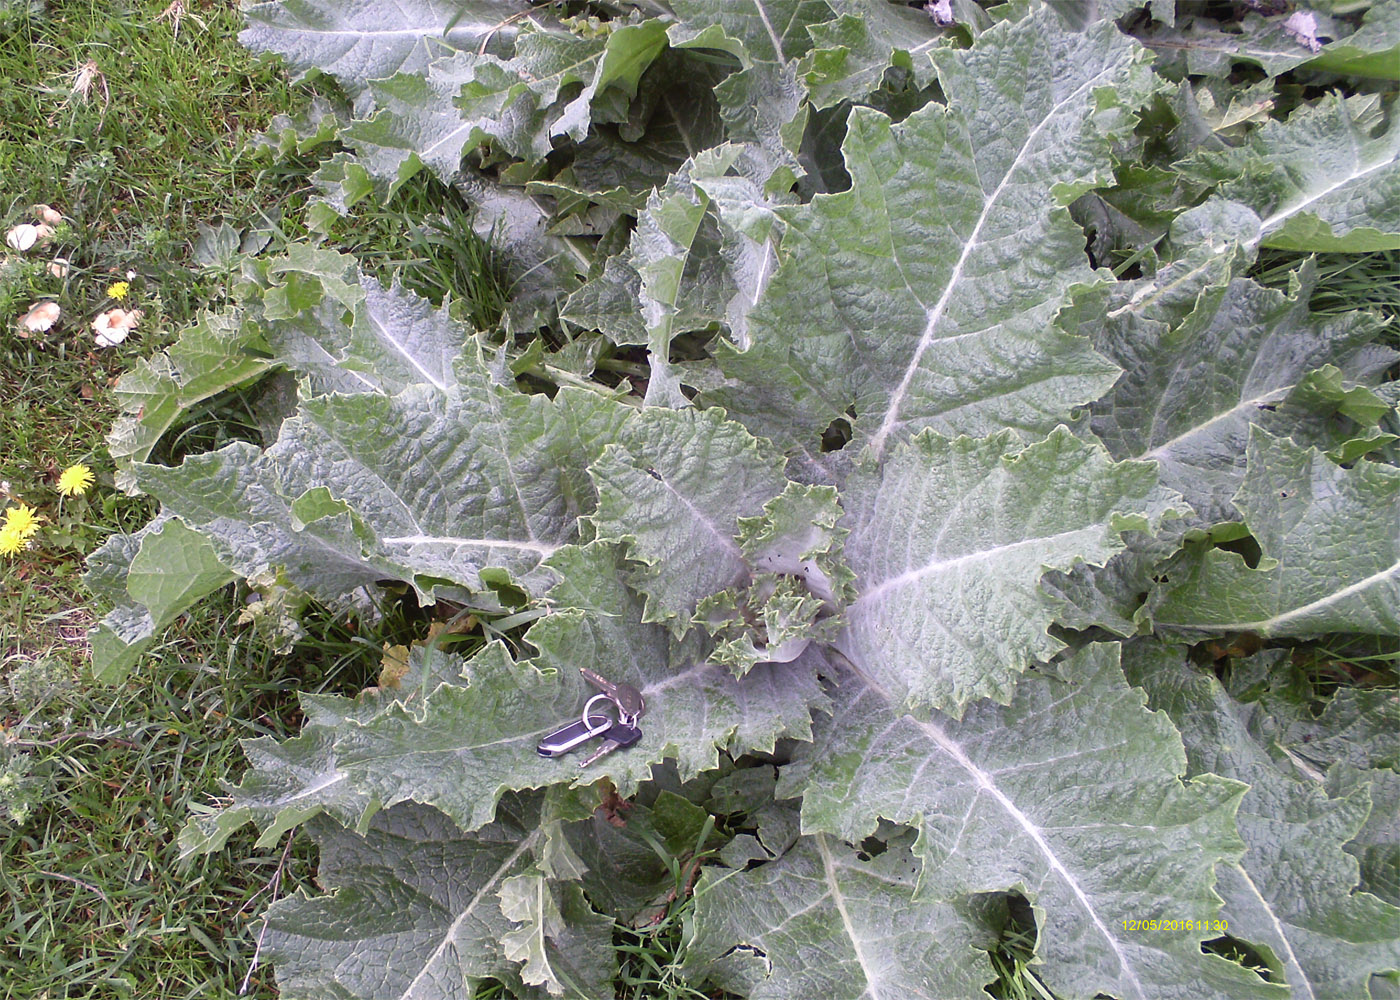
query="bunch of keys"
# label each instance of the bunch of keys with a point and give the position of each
(617, 733)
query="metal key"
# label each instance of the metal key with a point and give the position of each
(574, 735)
(622, 734)
(629, 701)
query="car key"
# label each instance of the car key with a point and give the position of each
(574, 735)
(629, 701)
(622, 734)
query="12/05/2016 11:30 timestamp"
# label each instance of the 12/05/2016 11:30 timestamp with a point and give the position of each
(1161, 924)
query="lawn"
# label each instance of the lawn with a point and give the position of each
(131, 120)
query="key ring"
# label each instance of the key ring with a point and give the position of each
(585, 716)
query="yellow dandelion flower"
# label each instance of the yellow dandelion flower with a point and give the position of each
(119, 289)
(22, 520)
(75, 480)
(11, 541)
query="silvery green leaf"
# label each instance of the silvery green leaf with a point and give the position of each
(762, 103)
(926, 295)
(798, 536)
(751, 226)
(1110, 596)
(374, 39)
(394, 339)
(1355, 726)
(418, 123)
(560, 942)
(674, 251)
(517, 103)
(415, 911)
(673, 119)
(151, 577)
(628, 52)
(1372, 50)
(798, 582)
(429, 485)
(286, 784)
(463, 744)
(949, 539)
(674, 489)
(1072, 794)
(1330, 539)
(216, 353)
(1291, 891)
(1326, 179)
(852, 54)
(703, 247)
(1376, 845)
(1200, 45)
(541, 268)
(1198, 375)
(827, 921)
(290, 782)
(1306, 37)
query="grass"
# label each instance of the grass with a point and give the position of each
(97, 902)
(95, 783)
(135, 151)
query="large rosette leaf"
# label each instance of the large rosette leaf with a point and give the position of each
(1330, 539)
(1196, 379)
(466, 742)
(373, 39)
(1292, 891)
(926, 295)
(763, 102)
(949, 539)
(1072, 795)
(1326, 179)
(825, 920)
(675, 490)
(422, 911)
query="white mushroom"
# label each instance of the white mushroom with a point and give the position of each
(40, 317)
(113, 325)
(23, 236)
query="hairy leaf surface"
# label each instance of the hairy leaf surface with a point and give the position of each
(1291, 889)
(1331, 551)
(1194, 384)
(1082, 824)
(374, 39)
(1327, 179)
(926, 295)
(864, 365)
(421, 910)
(828, 922)
(948, 542)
